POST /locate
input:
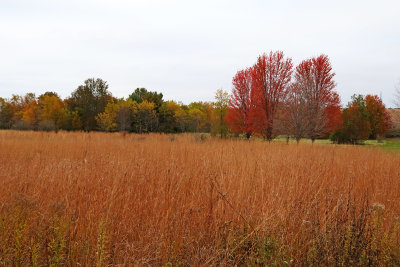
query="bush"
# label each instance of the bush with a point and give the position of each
(340, 137)
(46, 126)
(22, 125)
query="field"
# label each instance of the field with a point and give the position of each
(98, 199)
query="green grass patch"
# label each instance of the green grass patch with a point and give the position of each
(392, 144)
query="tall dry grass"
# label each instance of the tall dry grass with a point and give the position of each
(107, 199)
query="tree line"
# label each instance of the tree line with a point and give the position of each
(272, 98)
(91, 107)
(268, 99)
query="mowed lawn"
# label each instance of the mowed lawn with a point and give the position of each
(177, 200)
(392, 144)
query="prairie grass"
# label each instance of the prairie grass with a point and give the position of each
(99, 199)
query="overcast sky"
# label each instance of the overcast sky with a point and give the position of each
(189, 49)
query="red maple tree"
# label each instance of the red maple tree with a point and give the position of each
(333, 112)
(314, 77)
(240, 103)
(293, 117)
(270, 77)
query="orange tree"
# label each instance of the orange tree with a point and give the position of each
(363, 118)
(378, 116)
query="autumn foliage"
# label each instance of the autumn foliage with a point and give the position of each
(306, 107)
(238, 114)
(270, 77)
(379, 118)
(91, 107)
(270, 98)
(314, 77)
(363, 118)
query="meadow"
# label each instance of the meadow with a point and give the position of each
(101, 199)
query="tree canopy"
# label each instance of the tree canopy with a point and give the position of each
(269, 98)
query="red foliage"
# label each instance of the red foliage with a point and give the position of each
(356, 125)
(334, 114)
(315, 78)
(293, 119)
(379, 118)
(239, 104)
(270, 77)
(264, 102)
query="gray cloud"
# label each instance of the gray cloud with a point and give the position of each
(188, 49)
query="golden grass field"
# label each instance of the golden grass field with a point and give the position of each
(100, 199)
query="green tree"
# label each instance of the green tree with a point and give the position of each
(141, 94)
(6, 114)
(363, 118)
(88, 100)
(76, 123)
(356, 126)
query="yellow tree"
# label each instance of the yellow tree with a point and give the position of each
(52, 110)
(220, 109)
(145, 117)
(31, 115)
(167, 112)
(125, 111)
(17, 106)
(117, 115)
(107, 119)
(181, 117)
(197, 119)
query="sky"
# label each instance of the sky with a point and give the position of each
(189, 49)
